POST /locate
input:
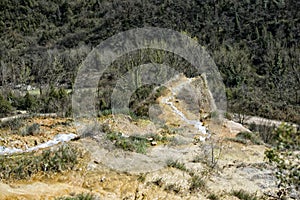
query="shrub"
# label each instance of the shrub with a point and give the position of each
(253, 137)
(265, 130)
(56, 101)
(28, 102)
(243, 195)
(14, 124)
(285, 156)
(5, 107)
(33, 129)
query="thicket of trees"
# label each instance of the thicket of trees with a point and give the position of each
(255, 44)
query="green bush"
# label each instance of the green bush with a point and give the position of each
(5, 107)
(29, 102)
(286, 158)
(14, 124)
(56, 101)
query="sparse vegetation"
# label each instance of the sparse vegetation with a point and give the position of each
(158, 182)
(82, 196)
(23, 166)
(176, 164)
(212, 153)
(238, 140)
(131, 143)
(197, 183)
(198, 159)
(243, 195)
(142, 177)
(135, 143)
(253, 137)
(172, 188)
(213, 197)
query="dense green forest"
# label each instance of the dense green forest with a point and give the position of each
(255, 44)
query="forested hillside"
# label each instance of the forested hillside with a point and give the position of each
(255, 44)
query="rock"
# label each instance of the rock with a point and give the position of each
(153, 143)
(235, 127)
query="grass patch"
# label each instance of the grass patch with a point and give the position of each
(132, 143)
(161, 138)
(213, 197)
(197, 183)
(136, 143)
(243, 195)
(82, 196)
(23, 166)
(176, 164)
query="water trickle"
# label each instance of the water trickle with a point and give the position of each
(197, 124)
(56, 140)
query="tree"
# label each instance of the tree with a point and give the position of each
(5, 107)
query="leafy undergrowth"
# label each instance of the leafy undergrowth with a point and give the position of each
(24, 166)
